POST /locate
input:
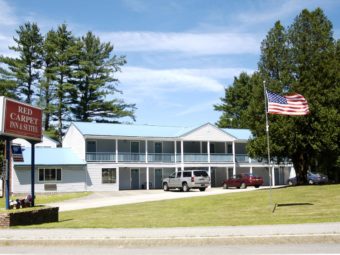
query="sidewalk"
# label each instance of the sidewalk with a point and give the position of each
(267, 234)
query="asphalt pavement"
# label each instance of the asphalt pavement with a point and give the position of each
(101, 199)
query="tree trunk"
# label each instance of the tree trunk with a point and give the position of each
(301, 167)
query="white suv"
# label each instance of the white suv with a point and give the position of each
(186, 180)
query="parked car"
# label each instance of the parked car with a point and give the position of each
(186, 180)
(312, 178)
(243, 181)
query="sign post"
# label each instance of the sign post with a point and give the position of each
(19, 120)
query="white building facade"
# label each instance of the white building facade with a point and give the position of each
(112, 157)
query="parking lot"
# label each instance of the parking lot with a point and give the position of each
(101, 199)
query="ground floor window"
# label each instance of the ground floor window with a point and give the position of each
(49, 174)
(109, 175)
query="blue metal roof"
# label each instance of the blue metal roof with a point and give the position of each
(239, 134)
(109, 129)
(51, 156)
(132, 130)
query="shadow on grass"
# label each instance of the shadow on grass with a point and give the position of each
(290, 204)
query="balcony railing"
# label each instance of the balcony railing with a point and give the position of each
(164, 157)
(216, 157)
(131, 157)
(100, 156)
(161, 157)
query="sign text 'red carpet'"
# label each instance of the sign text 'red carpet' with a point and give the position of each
(22, 120)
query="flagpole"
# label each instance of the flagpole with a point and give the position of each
(268, 148)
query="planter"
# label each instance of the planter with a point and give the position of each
(33, 216)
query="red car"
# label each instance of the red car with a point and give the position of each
(242, 181)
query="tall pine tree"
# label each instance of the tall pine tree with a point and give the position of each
(24, 69)
(95, 83)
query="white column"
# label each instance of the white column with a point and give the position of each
(182, 155)
(273, 176)
(234, 159)
(175, 151)
(116, 150)
(251, 170)
(208, 150)
(147, 178)
(209, 172)
(117, 176)
(146, 151)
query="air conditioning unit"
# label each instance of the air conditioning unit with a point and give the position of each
(50, 187)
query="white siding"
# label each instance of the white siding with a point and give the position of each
(75, 140)
(72, 179)
(208, 133)
(94, 178)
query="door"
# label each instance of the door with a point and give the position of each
(134, 178)
(158, 178)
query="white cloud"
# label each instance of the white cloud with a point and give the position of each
(190, 43)
(197, 108)
(271, 11)
(139, 83)
(7, 17)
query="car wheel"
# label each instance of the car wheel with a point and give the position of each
(165, 187)
(257, 186)
(225, 186)
(311, 182)
(243, 185)
(202, 189)
(185, 187)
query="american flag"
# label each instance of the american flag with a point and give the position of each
(294, 104)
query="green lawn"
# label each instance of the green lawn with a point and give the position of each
(46, 198)
(302, 204)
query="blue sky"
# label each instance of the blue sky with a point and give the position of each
(181, 54)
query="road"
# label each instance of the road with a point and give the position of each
(175, 250)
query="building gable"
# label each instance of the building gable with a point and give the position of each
(207, 132)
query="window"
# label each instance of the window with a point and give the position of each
(186, 174)
(49, 174)
(178, 175)
(108, 175)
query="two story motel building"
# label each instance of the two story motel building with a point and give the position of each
(112, 157)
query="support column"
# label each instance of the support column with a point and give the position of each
(182, 155)
(208, 150)
(175, 151)
(147, 178)
(146, 151)
(116, 150)
(117, 180)
(8, 165)
(32, 172)
(251, 170)
(234, 159)
(273, 175)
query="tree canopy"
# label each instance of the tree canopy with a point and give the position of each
(71, 78)
(302, 58)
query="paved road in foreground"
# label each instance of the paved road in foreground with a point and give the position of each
(175, 250)
(267, 234)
